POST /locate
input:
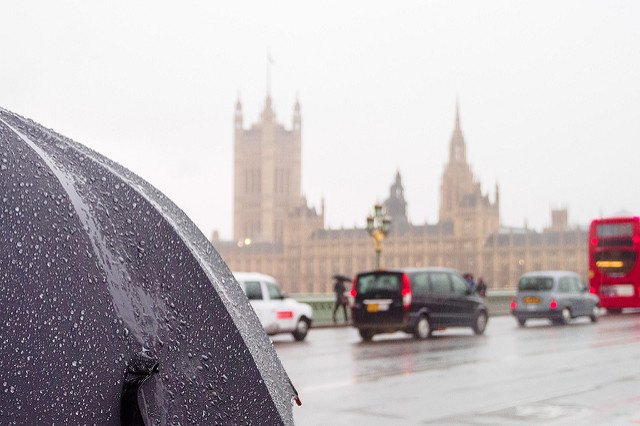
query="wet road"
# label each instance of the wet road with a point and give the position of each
(582, 373)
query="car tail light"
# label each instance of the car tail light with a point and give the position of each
(513, 303)
(406, 291)
(594, 241)
(553, 304)
(636, 239)
(592, 290)
(353, 293)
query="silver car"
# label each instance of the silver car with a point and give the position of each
(556, 295)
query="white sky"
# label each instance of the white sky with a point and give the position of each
(549, 96)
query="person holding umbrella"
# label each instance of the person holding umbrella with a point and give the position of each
(341, 299)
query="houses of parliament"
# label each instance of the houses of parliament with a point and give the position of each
(276, 232)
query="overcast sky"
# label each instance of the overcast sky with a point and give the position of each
(549, 95)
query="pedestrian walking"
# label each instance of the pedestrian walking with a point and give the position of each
(341, 299)
(481, 287)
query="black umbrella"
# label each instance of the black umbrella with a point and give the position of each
(340, 277)
(106, 287)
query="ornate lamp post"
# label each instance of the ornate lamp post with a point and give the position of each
(378, 227)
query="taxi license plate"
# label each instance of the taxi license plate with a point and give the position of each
(377, 307)
(531, 300)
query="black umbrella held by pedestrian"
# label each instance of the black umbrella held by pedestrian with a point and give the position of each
(115, 309)
(340, 277)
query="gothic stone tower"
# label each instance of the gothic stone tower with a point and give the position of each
(461, 198)
(397, 207)
(267, 175)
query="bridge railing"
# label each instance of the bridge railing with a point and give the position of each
(323, 304)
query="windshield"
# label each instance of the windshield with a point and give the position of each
(275, 292)
(535, 284)
(615, 230)
(381, 282)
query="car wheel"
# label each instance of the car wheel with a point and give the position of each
(423, 328)
(565, 316)
(522, 322)
(480, 322)
(594, 314)
(366, 335)
(302, 328)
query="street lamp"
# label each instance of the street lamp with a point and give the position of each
(378, 227)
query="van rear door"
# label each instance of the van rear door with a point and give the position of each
(379, 297)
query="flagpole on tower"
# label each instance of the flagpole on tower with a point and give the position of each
(269, 62)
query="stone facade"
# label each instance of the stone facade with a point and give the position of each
(277, 233)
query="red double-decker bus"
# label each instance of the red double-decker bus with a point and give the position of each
(614, 270)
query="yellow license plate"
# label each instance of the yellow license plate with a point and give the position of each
(531, 300)
(373, 307)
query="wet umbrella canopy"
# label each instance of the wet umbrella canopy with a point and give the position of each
(341, 277)
(105, 285)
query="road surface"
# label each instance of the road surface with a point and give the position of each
(582, 373)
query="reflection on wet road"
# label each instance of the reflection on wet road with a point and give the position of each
(540, 374)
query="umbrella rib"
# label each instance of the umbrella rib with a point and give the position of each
(103, 254)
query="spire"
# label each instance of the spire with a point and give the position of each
(238, 104)
(296, 107)
(457, 148)
(267, 112)
(297, 120)
(396, 206)
(238, 117)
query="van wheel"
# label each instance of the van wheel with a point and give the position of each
(423, 328)
(566, 316)
(302, 328)
(366, 335)
(480, 322)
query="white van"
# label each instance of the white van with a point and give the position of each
(277, 312)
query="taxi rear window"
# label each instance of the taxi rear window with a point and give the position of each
(373, 283)
(535, 284)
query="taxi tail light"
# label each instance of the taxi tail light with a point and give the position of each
(406, 292)
(592, 290)
(553, 303)
(353, 292)
(513, 303)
